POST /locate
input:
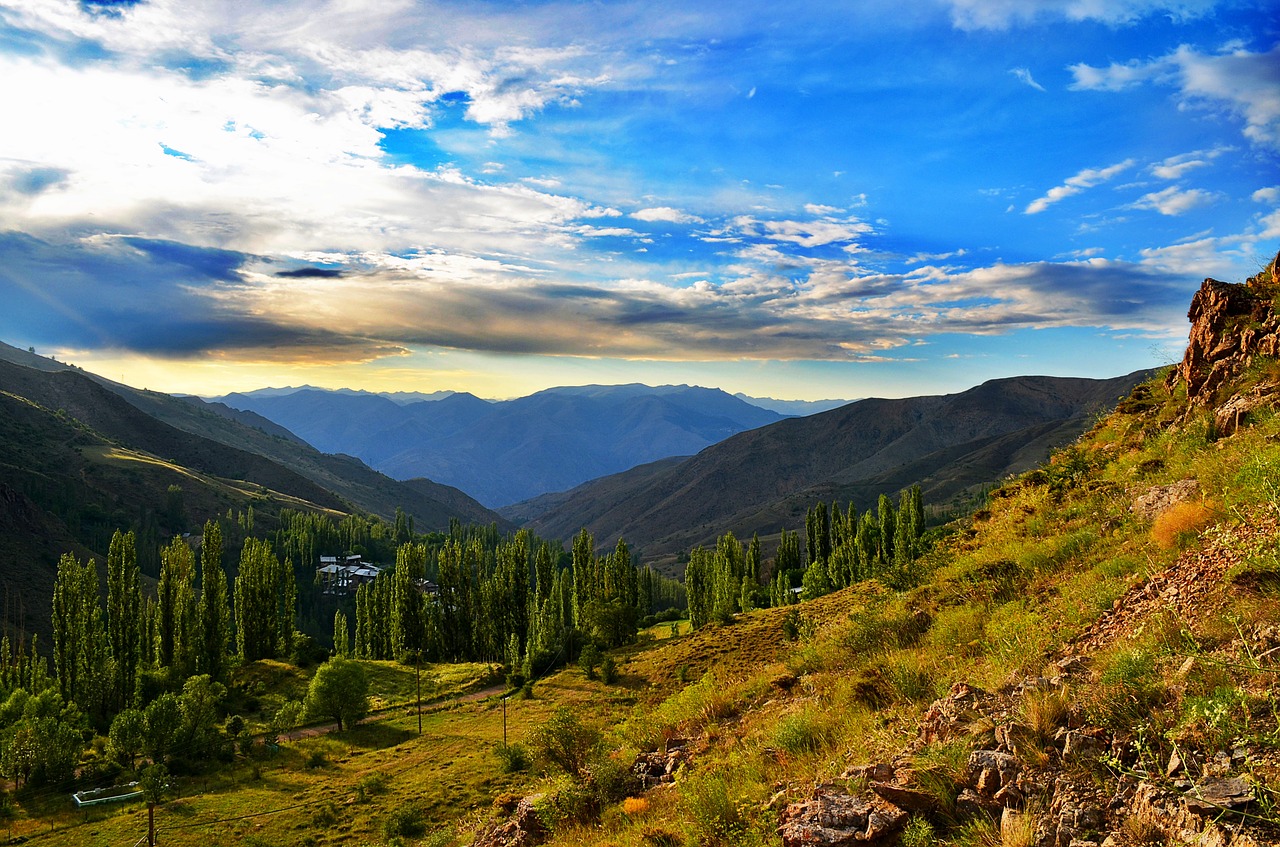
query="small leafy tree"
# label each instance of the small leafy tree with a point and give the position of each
(339, 690)
(127, 736)
(566, 742)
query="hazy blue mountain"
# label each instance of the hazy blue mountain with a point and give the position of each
(793, 408)
(501, 452)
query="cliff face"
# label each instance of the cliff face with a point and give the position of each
(1231, 323)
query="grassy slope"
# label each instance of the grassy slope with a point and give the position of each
(1034, 578)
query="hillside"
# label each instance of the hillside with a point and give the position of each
(765, 479)
(503, 452)
(431, 504)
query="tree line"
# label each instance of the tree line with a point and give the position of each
(842, 547)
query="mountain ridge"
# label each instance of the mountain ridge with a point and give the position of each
(761, 480)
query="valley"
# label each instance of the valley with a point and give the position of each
(1087, 657)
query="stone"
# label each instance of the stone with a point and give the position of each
(523, 830)
(990, 770)
(1160, 498)
(1175, 763)
(839, 820)
(905, 798)
(879, 771)
(1079, 745)
(1214, 795)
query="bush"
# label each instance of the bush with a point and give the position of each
(714, 816)
(801, 732)
(589, 659)
(513, 758)
(405, 822)
(565, 742)
(608, 670)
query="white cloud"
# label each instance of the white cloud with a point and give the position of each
(666, 214)
(1175, 167)
(1239, 82)
(1024, 75)
(1270, 194)
(1002, 14)
(1085, 179)
(1173, 201)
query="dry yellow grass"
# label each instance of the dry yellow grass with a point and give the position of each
(1175, 525)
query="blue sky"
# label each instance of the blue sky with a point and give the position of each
(786, 200)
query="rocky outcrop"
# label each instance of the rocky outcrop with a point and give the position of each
(833, 819)
(523, 829)
(1230, 324)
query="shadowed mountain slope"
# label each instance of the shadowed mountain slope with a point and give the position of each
(431, 504)
(765, 479)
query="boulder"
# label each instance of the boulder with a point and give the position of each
(839, 820)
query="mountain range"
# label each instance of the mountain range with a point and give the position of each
(503, 452)
(765, 479)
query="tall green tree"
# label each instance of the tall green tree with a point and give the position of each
(176, 605)
(79, 639)
(213, 612)
(124, 618)
(265, 598)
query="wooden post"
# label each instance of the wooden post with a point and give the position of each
(504, 721)
(151, 825)
(417, 673)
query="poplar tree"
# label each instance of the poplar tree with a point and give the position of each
(124, 618)
(213, 612)
(265, 597)
(79, 639)
(176, 601)
(341, 638)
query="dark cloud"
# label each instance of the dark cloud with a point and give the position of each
(33, 181)
(312, 273)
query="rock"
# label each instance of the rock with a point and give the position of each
(1175, 763)
(879, 771)
(839, 820)
(905, 798)
(1214, 795)
(523, 830)
(946, 715)
(1160, 498)
(1228, 416)
(991, 770)
(969, 804)
(1079, 745)
(1229, 325)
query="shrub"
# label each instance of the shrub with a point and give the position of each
(374, 783)
(565, 742)
(405, 822)
(317, 759)
(918, 833)
(588, 660)
(634, 806)
(1127, 690)
(513, 758)
(714, 816)
(608, 670)
(801, 732)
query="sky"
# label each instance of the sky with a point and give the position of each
(799, 200)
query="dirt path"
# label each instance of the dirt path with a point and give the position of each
(427, 707)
